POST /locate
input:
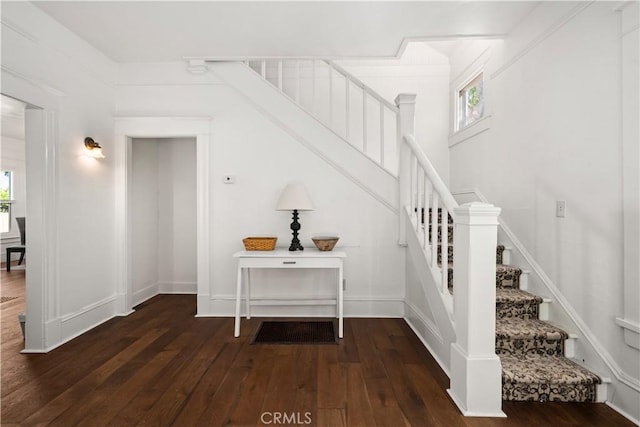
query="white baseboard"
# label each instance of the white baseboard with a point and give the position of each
(70, 326)
(423, 327)
(225, 306)
(177, 287)
(144, 294)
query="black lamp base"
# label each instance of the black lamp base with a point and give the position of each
(295, 227)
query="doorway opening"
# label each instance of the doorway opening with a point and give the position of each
(163, 217)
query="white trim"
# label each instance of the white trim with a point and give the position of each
(72, 325)
(354, 306)
(144, 294)
(426, 322)
(416, 331)
(177, 287)
(474, 129)
(127, 128)
(631, 332)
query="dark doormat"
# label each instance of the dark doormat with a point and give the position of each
(295, 332)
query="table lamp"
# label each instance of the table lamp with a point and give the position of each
(295, 198)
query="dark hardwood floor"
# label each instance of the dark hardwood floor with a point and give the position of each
(162, 366)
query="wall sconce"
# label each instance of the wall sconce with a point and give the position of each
(93, 148)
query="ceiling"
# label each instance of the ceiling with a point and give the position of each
(132, 31)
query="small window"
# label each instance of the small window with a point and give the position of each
(470, 102)
(5, 201)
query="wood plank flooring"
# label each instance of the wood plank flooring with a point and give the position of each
(162, 366)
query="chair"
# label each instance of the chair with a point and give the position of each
(21, 248)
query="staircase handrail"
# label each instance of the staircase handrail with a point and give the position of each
(438, 184)
(362, 85)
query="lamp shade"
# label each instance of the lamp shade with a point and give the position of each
(294, 196)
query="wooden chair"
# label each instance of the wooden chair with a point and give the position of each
(21, 249)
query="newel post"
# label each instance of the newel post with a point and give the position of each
(406, 103)
(476, 372)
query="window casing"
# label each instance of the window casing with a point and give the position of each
(470, 101)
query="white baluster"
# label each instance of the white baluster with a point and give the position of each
(381, 134)
(412, 167)
(364, 120)
(313, 86)
(434, 230)
(263, 69)
(280, 75)
(418, 198)
(330, 96)
(444, 253)
(298, 81)
(347, 108)
(427, 189)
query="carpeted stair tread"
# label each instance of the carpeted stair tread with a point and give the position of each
(516, 303)
(507, 276)
(528, 336)
(546, 378)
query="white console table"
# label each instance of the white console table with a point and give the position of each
(282, 258)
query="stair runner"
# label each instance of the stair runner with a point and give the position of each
(531, 350)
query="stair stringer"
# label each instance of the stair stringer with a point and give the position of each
(309, 132)
(589, 352)
(436, 329)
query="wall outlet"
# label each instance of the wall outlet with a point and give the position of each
(229, 179)
(561, 208)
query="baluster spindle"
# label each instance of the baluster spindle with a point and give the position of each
(280, 75)
(444, 252)
(426, 184)
(434, 230)
(412, 165)
(381, 134)
(330, 96)
(347, 107)
(298, 81)
(263, 69)
(313, 85)
(364, 120)
(419, 180)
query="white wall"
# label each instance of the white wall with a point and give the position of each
(70, 199)
(555, 134)
(144, 218)
(264, 158)
(177, 215)
(163, 217)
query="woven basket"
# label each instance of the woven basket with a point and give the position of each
(259, 243)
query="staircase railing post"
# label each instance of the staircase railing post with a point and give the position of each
(476, 371)
(406, 103)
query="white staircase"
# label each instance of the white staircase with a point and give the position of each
(360, 134)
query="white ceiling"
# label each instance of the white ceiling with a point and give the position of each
(129, 31)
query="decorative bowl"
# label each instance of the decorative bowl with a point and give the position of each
(325, 243)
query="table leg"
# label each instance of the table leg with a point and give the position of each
(248, 291)
(238, 299)
(340, 303)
